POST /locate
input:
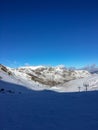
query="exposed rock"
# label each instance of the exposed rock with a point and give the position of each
(50, 76)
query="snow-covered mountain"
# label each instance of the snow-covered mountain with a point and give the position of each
(46, 75)
(50, 75)
(24, 109)
(56, 78)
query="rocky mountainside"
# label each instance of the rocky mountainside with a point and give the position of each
(50, 76)
(57, 78)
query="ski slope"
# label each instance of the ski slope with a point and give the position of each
(25, 109)
(29, 105)
(73, 85)
(50, 78)
(78, 85)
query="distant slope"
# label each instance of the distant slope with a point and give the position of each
(50, 78)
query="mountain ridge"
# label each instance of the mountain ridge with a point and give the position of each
(57, 78)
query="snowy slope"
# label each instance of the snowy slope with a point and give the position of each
(50, 75)
(78, 85)
(20, 79)
(50, 78)
(40, 77)
(23, 109)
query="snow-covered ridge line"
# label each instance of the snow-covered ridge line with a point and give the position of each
(46, 75)
(56, 78)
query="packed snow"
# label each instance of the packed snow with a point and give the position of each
(25, 109)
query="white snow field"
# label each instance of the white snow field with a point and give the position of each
(25, 109)
(26, 103)
(50, 78)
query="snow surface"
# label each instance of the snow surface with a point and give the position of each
(79, 85)
(19, 79)
(23, 109)
(29, 105)
(82, 77)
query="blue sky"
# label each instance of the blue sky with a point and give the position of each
(48, 32)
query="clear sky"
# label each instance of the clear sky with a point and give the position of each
(48, 32)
